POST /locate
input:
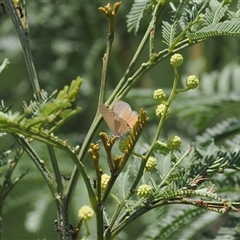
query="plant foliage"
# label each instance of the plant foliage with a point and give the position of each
(185, 187)
(134, 17)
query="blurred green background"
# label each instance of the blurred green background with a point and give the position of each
(68, 39)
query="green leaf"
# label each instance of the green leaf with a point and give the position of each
(229, 28)
(70, 92)
(214, 13)
(191, 11)
(220, 131)
(169, 32)
(135, 15)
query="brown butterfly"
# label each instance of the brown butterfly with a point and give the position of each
(121, 119)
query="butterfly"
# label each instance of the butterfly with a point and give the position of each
(121, 120)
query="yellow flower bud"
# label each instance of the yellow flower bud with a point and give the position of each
(176, 60)
(192, 82)
(160, 109)
(174, 143)
(104, 181)
(85, 213)
(159, 94)
(144, 191)
(151, 164)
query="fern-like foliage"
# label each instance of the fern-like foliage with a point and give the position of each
(34, 105)
(198, 20)
(221, 131)
(190, 11)
(169, 32)
(136, 14)
(213, 105)
(32, 123)
(199, 166)
(195, 20)
(234, 15)
(214, 13)
(193, 178)
(174, 221)
(229, 28)
(180, 223)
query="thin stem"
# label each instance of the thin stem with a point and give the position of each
(99, 209)
(55, 168)
(80, 168)
(152, 32)
(81, 157)
(106, 59)
(88, 233)
(61, 205)
(24, 39)
(62, 218)
(100, 220)
(39, 164)
(181, 35)
(115, 216)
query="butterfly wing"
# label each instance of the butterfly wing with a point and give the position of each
(132, 119)
(108, 116)
(121, 127)
(123, 110)
(121, 120)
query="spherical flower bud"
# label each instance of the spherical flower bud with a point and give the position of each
(104, 181)
(85, 213)
(159, 94)
(176, 60)
(151, 164)
(160, 109)
(144, 191)
(192, 82)
(174, 143)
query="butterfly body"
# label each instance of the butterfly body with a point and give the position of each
(121, 120)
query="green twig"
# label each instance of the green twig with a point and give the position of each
(24, 39)
(82, 156)
(39, 163)
(111, 15)
(55, 169)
